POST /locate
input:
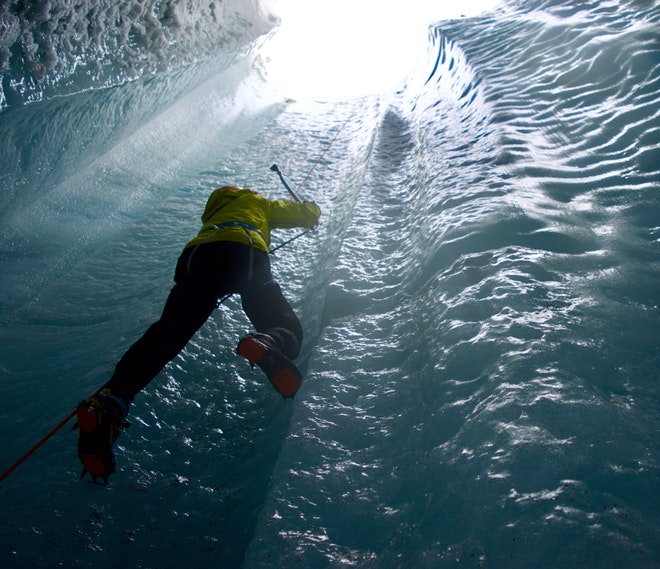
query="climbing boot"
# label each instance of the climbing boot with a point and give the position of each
(262, 350)
(100, 420)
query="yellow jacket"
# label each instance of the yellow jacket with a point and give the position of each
(257, 216)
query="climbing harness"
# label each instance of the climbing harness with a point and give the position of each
(248, 227)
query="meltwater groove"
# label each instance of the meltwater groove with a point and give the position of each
(486, 412)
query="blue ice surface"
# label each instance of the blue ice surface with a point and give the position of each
(480, 304)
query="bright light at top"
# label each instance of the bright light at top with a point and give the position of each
(336, 49)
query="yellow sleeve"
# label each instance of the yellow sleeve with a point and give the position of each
(293, 214)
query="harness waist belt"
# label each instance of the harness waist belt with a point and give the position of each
(247, 227)
(232, 223)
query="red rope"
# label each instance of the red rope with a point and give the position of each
(43, 440)
(326, 150)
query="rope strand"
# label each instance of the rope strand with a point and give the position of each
(326, 150)
(44, 439)
(318, 161)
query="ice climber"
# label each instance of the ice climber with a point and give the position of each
(229, 255)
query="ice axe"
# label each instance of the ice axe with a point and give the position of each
(275, 168)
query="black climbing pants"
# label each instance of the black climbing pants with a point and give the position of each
(203, 275)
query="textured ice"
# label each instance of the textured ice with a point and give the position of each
(480, 303)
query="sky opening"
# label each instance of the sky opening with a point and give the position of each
(338, 49)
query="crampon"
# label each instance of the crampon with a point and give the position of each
(100, 421)
(261, 350)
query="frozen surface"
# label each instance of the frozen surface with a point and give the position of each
(480, 301)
